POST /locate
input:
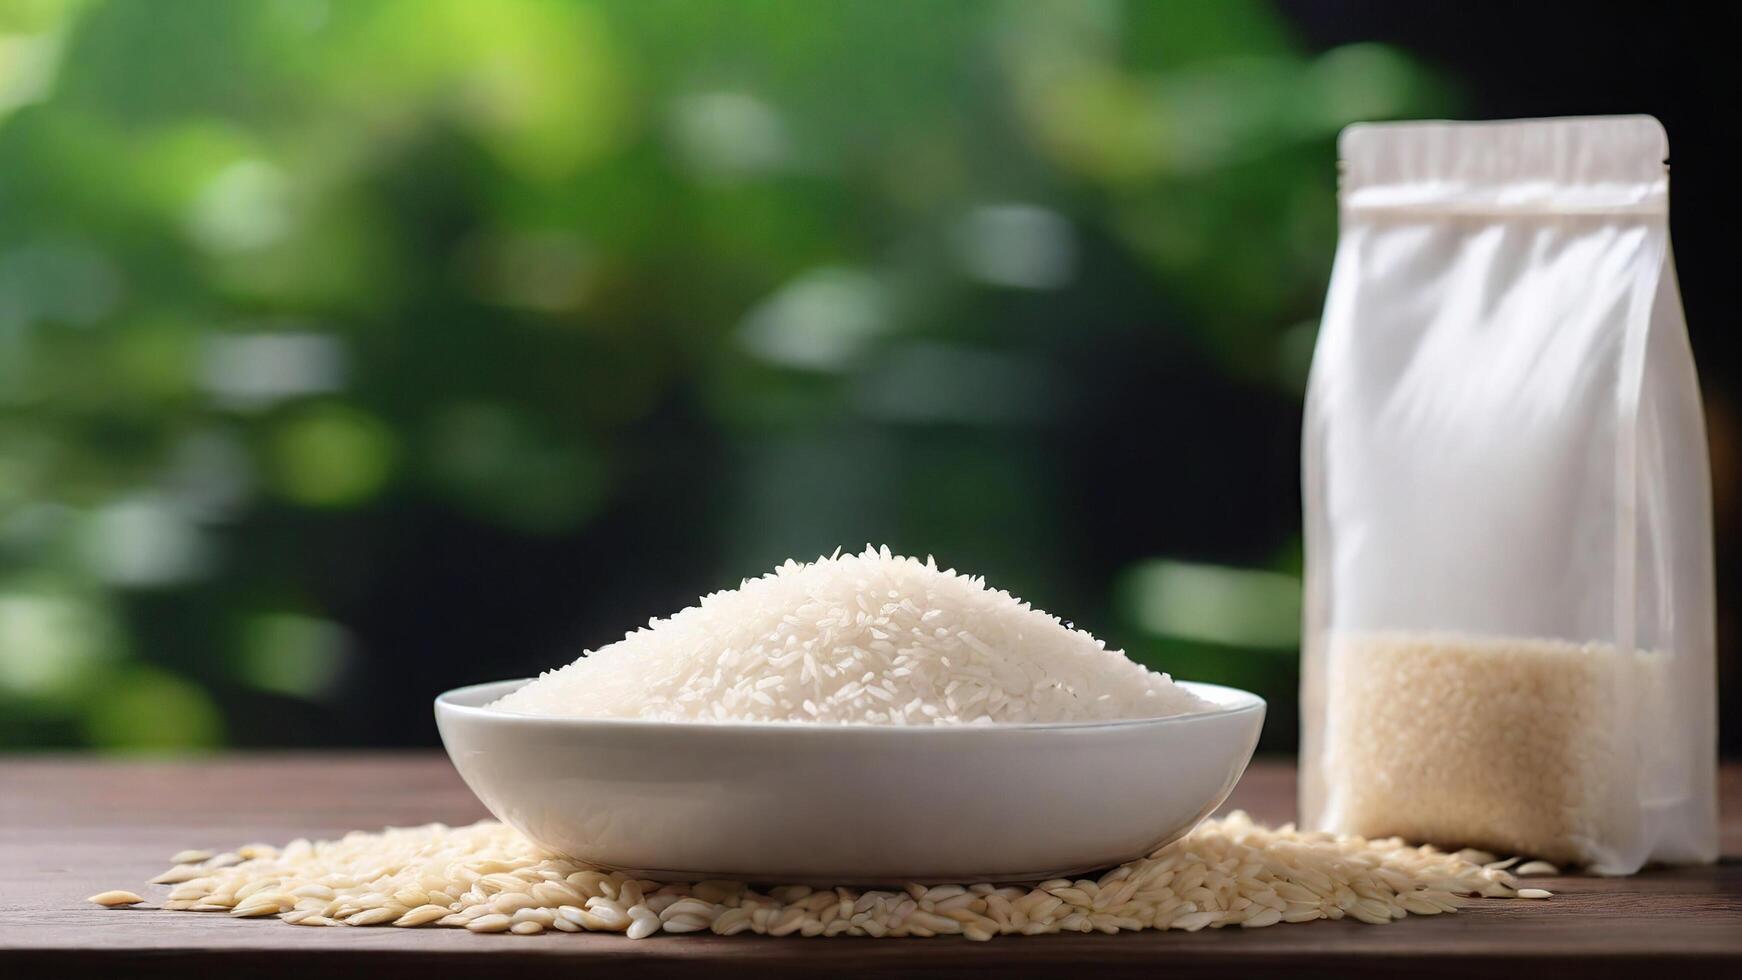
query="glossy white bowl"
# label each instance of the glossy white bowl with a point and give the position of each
(850, 804)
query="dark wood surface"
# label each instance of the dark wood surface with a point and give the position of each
(71, 827)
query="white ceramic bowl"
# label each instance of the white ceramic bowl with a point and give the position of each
(850, 804)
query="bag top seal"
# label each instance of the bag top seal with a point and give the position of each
(1580, 165)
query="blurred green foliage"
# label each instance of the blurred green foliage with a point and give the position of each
(274, 271)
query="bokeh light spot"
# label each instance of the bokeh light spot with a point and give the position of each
(51, 642)
(725, 135)
(1214, 604)
(246, 207)
(296, 655)
(1018, 245)
(821, 320)
(250, 371)
(149, 709)
(145, 541)
(332, 455)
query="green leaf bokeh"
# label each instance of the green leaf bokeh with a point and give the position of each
(290, 290)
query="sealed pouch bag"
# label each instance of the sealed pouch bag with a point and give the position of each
(1509, 624)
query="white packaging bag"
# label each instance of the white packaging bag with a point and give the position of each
(1509, 586)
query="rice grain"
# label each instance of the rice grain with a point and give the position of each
(115, 899)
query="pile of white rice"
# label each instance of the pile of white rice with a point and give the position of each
(871, 639)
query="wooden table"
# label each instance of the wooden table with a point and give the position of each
(70, 827)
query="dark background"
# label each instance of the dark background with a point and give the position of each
(350, 352)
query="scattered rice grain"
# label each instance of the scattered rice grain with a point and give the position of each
(115, 899)
(1227, 872)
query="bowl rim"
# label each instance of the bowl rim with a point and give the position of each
(1226, 702)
